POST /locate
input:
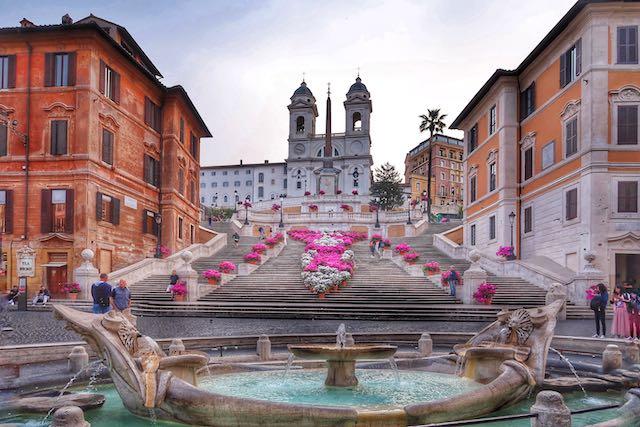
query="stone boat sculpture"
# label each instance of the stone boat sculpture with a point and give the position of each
(508, 357)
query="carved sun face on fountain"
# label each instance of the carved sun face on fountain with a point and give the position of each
(517, 328)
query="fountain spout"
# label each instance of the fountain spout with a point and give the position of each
(341, 336)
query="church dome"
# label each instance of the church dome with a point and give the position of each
(358, 86)
(303, 90)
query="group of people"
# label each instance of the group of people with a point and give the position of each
(376, 246)
(626, 311)
(107, 298)
(173, 280)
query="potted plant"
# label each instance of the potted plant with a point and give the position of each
(339, 192)
(387, 244)
(212, 276)
(506, 252)
(164, 251)
(259, 248)
(275, 207)
(307, 193)
(179, 291)
(72, 289)
(227, 267)
(345, 207)
(253, 258)
(354, 192)
(431, 267)
(313, 208)
(271, 242)
(402, 248)
(321, 192)
(484, 294)
(410, 257)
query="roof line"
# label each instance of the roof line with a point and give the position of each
(238, 165)
(182, 92)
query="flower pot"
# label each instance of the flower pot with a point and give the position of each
(488, 301)
(73, 296)
(253, 262)
(213, 281)
(178, 298)
(321, 296)
(343, 283)
(430, 272)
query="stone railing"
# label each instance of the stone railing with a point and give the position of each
(399, 217)
(448, 246)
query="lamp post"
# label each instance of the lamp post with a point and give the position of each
(158, 219)
(377, 199)
(409, 209)
(281, 225)
(236, 200)
(215, 200)
(512, 217)
(246, 210)
(424, 201)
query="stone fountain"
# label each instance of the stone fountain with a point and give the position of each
(508, 358)
(341, 359)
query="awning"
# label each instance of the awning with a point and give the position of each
(54, 264)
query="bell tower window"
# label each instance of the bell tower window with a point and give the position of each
(357, 121)
(300, 124)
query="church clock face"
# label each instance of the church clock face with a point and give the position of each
(298, 149)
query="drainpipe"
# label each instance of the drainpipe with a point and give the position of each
(519, 172)
(159, 237)
(26, 145)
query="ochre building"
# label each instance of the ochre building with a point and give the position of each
(95, 152)
(555, 142)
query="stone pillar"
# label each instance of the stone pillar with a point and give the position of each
(86, 274)
(77, 359)
(176, 347)
(425, 345)
(263, 348)
(189, 275)
(631, 353)
(472, 278)
(349, 341)
(69, 416)
(551, 410)
(557, 292)
(587, 277)
(611, 358)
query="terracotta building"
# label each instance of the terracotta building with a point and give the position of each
(447, 175)
(95, 152)
(554, 143)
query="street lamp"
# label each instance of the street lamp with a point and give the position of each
(236, 199)
(512, 218)
(409, 209)
(424, 201)
(215, 200)
(158, 219)
(281, 225)
(246, 209)
(377, 199)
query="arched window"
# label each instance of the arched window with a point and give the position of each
(321, 151)
(248, 197)
(226, 199)
(357, 121)
(260, 177)
(300, 124)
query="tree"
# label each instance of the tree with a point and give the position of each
(433, 122)
(387, 186)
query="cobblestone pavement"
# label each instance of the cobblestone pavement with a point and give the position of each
(41, 327)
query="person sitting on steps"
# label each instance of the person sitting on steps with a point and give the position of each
(42, 296)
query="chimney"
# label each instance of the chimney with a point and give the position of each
(26, 23)
(67, 20)
(266, 162)
(240, 162)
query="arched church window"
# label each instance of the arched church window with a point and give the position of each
(300, 124)
(357, 121)
(321, 151)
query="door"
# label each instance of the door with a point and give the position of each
(56, 278)
(104, 264)
(627, 268)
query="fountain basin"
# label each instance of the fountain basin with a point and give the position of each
(341, 361)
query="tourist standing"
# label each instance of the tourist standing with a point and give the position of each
(372, 247)
(261, 231)
(599, 307)
(620, 327)
(121, 298)
(453, 278)
(634, 306)
(236, 239)
(42, 296)
(173, 279)
(101, 294)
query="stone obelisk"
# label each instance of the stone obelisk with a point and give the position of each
(328, 175)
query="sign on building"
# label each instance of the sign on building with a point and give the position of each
(26, 262)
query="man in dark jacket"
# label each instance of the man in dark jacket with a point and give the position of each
(101, 294)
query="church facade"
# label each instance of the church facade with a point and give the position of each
(348, 159)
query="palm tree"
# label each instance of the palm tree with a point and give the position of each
(433, 122)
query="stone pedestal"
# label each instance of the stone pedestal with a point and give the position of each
(263, 348)
(341, 373)
(587, 277)
(631, 353)
(349, 341)
(472, 278)
(425, 345)
(86, 274)
(176, 347)
(69, 416)
(557, 292)
(611, 358)
(189, 275)
(551, 410)
(77, 359)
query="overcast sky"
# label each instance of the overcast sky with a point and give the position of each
(240, 61)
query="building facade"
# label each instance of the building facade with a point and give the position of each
(554, 143)
(300, 173)
(447, 175)
(224, 186)
(94, 151)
